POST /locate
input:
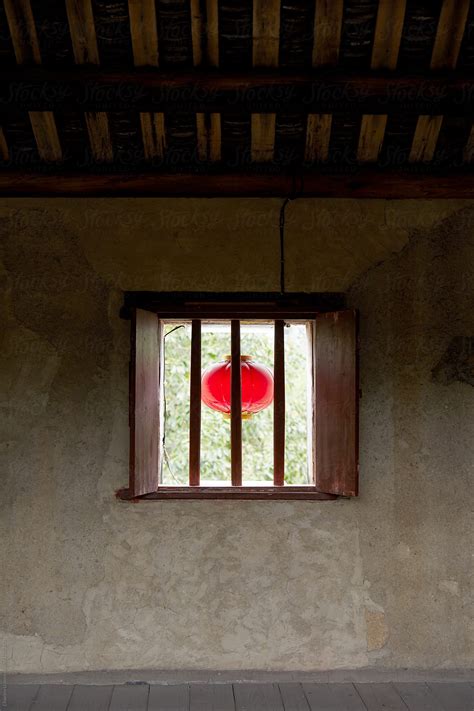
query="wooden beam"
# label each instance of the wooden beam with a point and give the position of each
(263, 137)
(195, 406)
(212, 33)
(367, 182)
(144, 32)
(46, 136)
(4, 152)
(252, 92)
(387, 37)
(318, 134)
(468, 154)
(208, 128)
(388, 33)
(279, 405)
(23, 31)
(99, 136)
(327, 32)
(372, 131)
(82, 29)
(449, 34)
(153, 135)
(425, 139)
(266, 33)
(236, 406)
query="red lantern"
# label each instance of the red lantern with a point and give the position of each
(257, 386)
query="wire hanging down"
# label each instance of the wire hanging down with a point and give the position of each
(282, 245)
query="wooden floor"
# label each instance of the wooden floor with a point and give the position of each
(242, 697)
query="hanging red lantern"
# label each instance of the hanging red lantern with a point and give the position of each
(257, 386)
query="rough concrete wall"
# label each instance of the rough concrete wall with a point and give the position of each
(92, 583)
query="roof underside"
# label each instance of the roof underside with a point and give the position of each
(213, 97)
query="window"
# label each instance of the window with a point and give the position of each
(331, 332)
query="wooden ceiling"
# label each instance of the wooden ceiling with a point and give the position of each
(362, 98)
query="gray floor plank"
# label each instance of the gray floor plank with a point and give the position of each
(19, 697)
(129, 697)
(168, 698)
(52, 697)
(257, 697)
(418, 696)
(211, 697)
(92, 698)
(293, 697)
(454, 697)
(380, 697)
(333, 697)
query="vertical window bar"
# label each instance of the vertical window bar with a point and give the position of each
(236, 406)
(279, 406)
(195, 406)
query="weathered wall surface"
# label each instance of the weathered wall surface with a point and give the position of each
(92, 583)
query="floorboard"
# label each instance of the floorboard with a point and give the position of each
(380, 697)
(293, 697)
(418, 697)
(333, 697)
(92, 698)
(454, 697)
(18, 698)
(211, 697)
(168, 698)
(52, 697)
(129, 697)
(257, 697)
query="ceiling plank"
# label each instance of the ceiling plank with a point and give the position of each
(368, 182)
(468, 154)
(99, 136)
(82, 29)
(263, 137)
(327, 32)
(318, 134)
(266, 33)
(425, 139)
(372, 132)
(46, 136)
(23, 31)
(387, 37)
(153, 135)
(4, 152)
(144, 32)
(449, 34)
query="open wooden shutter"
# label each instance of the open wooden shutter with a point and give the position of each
(335, 406)
(145, 403)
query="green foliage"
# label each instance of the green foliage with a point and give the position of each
(257, 433)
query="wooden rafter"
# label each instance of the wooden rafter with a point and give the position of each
(144, 33)
(82, 30)
(388, 34)
(449, 34)
(318, 134)
(327, 32)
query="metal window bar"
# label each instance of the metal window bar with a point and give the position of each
(195, 406)
(279, 405)
(236, 406)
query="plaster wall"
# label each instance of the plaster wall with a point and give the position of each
(88, 582)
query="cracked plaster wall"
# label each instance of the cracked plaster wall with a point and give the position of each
(88, 582)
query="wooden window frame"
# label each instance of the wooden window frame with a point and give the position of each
(335, 392)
